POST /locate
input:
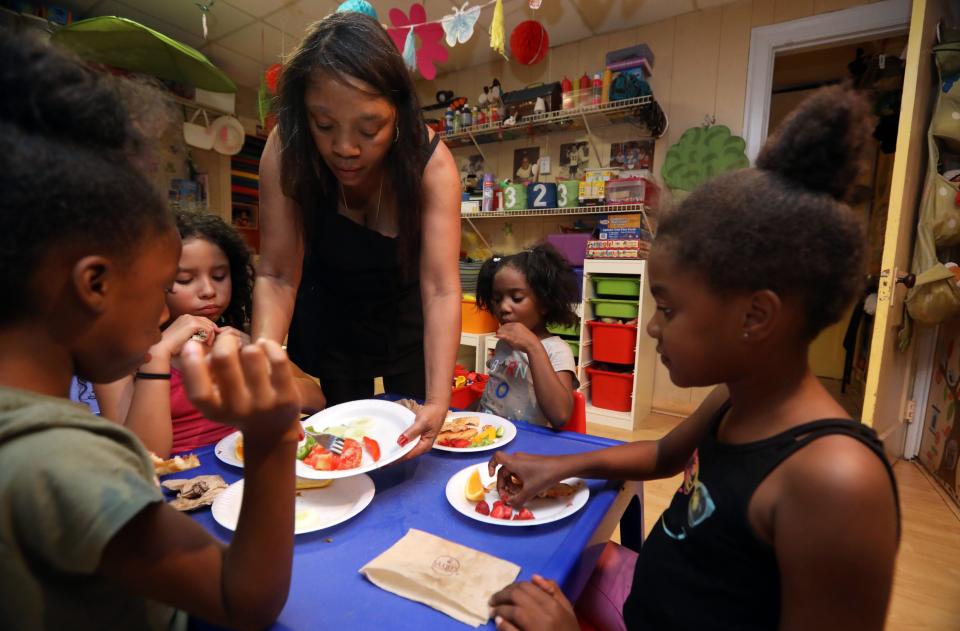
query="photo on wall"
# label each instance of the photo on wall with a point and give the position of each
(244, 216)
(471, 172)
(574, 159)
(524, 160)
(633, 154)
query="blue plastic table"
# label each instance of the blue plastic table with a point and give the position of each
(327, 589)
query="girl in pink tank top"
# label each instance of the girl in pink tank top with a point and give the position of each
(211, 296)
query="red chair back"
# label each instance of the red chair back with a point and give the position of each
(578, 420)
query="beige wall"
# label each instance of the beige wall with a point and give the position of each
(700, 70)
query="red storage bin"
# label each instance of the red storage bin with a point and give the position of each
(611, 390)
(465, 396)
(613, 343)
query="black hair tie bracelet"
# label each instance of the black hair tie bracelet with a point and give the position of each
(151, 375)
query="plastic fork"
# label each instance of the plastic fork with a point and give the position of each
(333, 444)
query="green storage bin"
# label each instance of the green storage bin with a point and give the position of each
(616, 286)
(565, 331)
(609, 308)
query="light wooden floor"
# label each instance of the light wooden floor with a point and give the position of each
(926, 586)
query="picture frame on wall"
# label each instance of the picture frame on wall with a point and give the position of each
(524, 160)
(471, 172)
(574, 159)
(632, 154)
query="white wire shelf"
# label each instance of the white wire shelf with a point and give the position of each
(554, 212)
(642, 110)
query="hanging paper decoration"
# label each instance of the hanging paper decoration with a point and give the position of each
(496, 28)
(204, 10)
(358, 6)
(529, 42)
(271, 77)
(406, 29)
(459, 25)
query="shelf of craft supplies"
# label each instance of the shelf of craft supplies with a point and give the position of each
(642, 111)
(553, 212)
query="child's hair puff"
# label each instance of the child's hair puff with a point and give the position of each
(783, 225)
(215, 230)
(549, 275)
(68, 155)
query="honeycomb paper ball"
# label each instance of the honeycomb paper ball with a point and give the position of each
(529, 42)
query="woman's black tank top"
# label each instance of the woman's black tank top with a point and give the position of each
(702, 567)
(357, 315)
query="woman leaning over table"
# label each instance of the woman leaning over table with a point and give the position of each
(360, 225)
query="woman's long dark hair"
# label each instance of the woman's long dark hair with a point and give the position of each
(351, 44)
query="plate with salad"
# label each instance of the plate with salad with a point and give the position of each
(369, 429)
(468, 432)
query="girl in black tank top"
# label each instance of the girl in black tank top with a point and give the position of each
(787, 516)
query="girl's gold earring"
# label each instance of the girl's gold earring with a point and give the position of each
(396, 137)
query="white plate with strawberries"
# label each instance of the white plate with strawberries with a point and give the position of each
(473, 493)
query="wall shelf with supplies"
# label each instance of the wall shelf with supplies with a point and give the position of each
(556, 212)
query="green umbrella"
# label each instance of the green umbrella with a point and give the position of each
(126, 44)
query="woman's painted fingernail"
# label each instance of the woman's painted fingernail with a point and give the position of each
(498, 620)
(403, 440)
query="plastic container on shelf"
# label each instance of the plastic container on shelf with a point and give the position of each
(574, 347)
(610, 308)
(627, 286)
(613, 343)
(572, 245)
(465, 396)
(611, 390)
(475, 320)
(565, 331)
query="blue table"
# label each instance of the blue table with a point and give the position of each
(411, 495)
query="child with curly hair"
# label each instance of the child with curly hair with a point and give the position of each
(210, 297)
(788, 514)
(532, 373)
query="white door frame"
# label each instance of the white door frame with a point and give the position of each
(926, 351)
(869, 21)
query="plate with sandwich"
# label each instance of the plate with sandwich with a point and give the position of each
(469, 432)
(318, 504)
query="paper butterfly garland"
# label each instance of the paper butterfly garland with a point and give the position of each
(406, 29)
(459, 25)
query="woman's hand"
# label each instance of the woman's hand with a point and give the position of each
(522, 476)
(427, 425)
(181, 331)
(518, 336)
(229, 330)
(532, 606)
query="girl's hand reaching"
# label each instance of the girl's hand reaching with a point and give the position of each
(522, 476)
(229, 330)
(181, 331)
(518, 336)
(531, 606)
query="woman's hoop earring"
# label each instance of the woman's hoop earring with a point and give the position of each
(397, 136)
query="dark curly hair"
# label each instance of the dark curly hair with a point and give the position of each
(215, 230)
(351, 44)
(549, 275)
(68, 168)
(784, 225)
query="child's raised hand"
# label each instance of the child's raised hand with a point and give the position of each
(518, 336)
(522, 476)
(182, 330)
(534, 605)
(251, 388)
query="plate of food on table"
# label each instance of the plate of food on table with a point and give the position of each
(467, 432)
(474, 494)
(367, 431)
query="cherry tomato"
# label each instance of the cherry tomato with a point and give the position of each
(321, 459)
(372, 447)
(483, 508)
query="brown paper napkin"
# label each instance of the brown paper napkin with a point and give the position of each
(447, 576)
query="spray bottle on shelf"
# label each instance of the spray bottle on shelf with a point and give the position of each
(465, 118)
(597, 89)
(448, 121)
(566, 91)
(605, 89)
(583, 94)
(486, 201)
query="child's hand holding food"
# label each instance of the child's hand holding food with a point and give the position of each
(522, 476)
(518, 336)
(186, 327)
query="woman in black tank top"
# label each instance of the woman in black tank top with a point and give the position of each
(787, 516)
(360, 225)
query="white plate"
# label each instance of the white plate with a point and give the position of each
(545, 510)
(388, 422)
(315, 509)
(509, 432)
(226, 450)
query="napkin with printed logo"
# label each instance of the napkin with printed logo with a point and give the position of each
(447, 576)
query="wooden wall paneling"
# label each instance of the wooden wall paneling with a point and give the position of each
(735, 29)
(825, 6)
(562, 61)
(661, 38)
(694, 83)
(762, 12)
(785, 10)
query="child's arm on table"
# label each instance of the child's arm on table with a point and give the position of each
(641, 460)
(143, 405)
(554, 389)
(834, 529)
(167, 556)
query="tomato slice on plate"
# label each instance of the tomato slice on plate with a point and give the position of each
(321, 459)
(351, 455)
(372, 447)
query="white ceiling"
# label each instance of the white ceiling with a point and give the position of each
(246, 36)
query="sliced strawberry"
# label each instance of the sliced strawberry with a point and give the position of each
(524, 513)
(501, 511)
(483, 508)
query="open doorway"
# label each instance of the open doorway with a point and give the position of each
(839, 356)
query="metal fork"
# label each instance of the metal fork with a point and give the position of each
(333, 444)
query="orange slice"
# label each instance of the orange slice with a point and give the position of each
(474, 491)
